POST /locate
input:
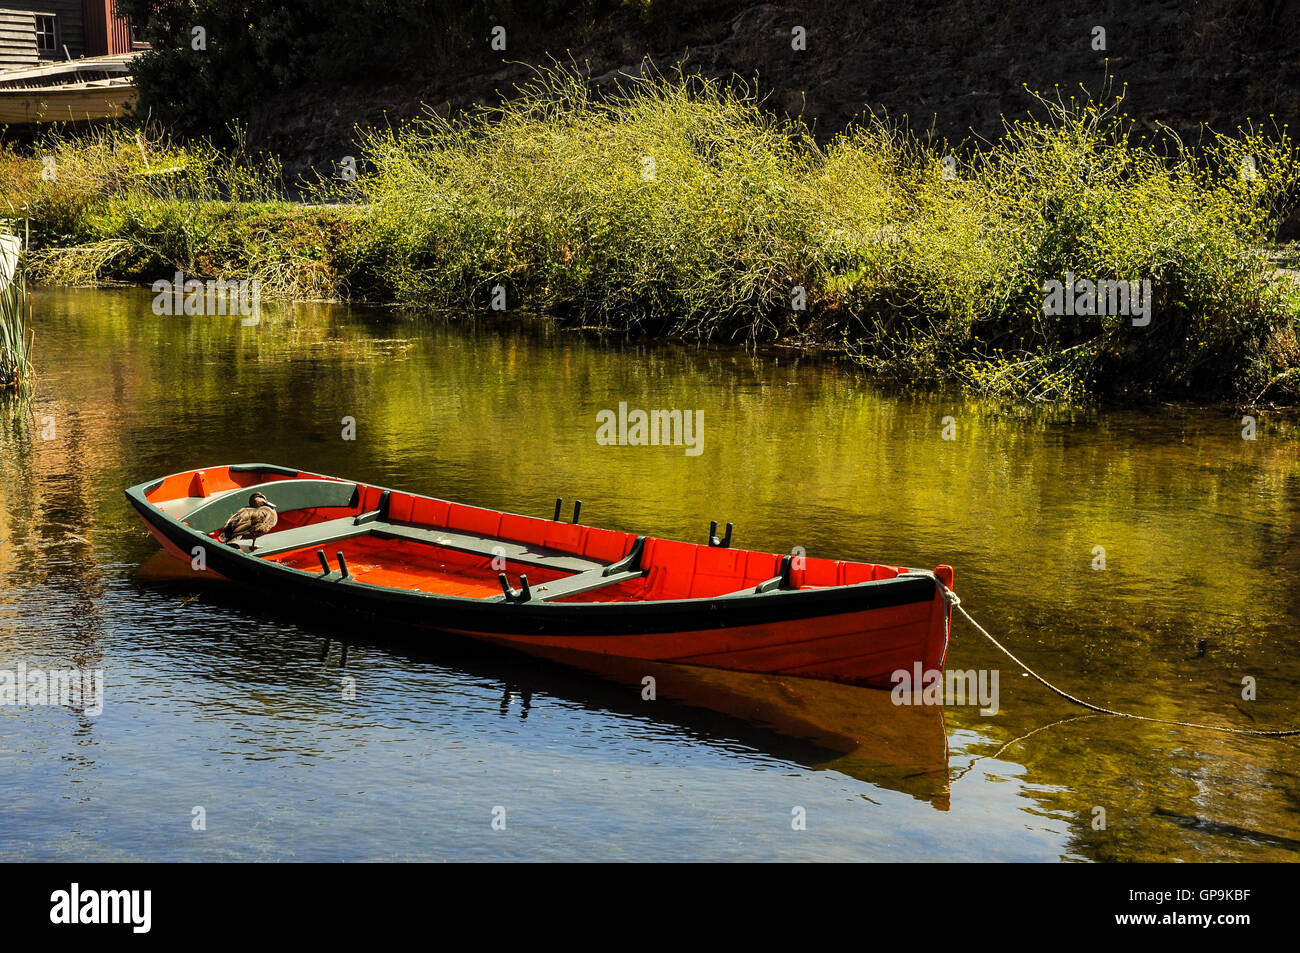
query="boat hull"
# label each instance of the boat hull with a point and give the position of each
(863, 647)
(857, 633)
(55, 104)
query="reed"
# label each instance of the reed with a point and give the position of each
(16, 335)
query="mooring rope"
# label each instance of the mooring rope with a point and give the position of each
(1015, 741)
(955, 601)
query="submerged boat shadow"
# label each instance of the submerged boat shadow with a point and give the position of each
(818, 724)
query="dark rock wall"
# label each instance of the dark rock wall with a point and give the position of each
(956, 66)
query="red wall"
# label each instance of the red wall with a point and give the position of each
(106, 33)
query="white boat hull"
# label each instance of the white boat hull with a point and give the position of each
(10, 245)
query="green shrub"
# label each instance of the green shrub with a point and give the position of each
(925, 273)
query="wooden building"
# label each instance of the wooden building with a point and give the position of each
(33, 32)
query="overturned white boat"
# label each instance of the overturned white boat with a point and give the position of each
(99, 87)
(10, 246)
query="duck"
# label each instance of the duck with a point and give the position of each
(249, 522)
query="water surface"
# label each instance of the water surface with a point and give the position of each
(222, 699)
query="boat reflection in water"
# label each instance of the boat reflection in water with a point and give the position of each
(856, 731)
(826, 725)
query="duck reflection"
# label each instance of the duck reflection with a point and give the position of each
(525, 698)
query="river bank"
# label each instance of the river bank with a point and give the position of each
(1071, 260)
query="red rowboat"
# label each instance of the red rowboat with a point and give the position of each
(551, 586)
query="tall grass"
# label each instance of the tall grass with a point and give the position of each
(133, 205)
(674, 209)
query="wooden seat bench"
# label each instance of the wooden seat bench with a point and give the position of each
(588, 574)
(579, 583)
(333, 531)
(486, 546)
(302, 537)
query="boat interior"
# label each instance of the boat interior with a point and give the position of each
(404, 541)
